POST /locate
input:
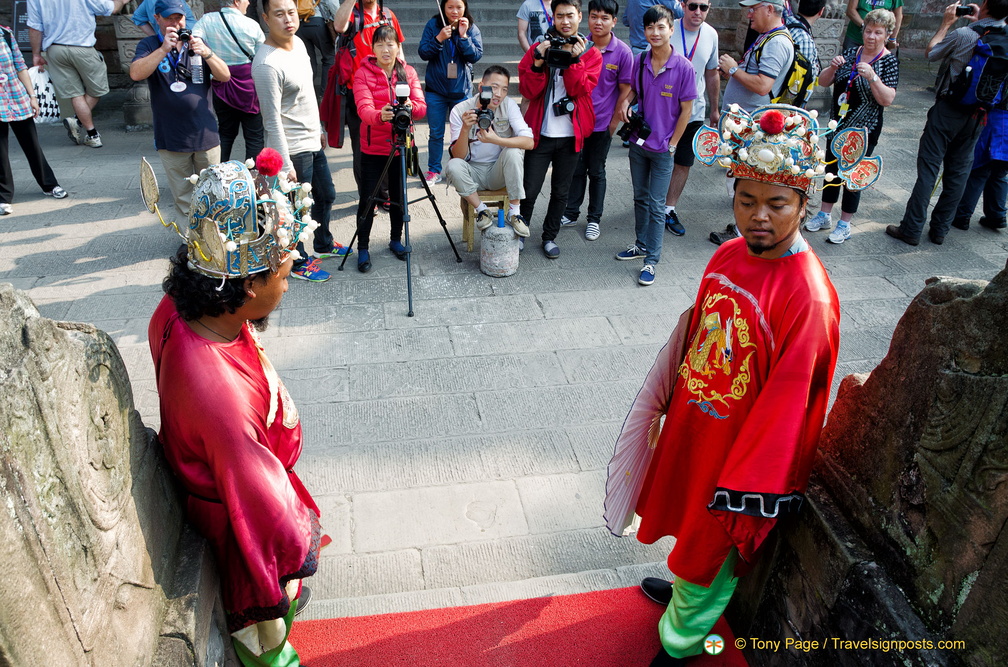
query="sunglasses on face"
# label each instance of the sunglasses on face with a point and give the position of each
(693, 6)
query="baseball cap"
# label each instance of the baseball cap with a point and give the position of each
(168, 7)
(753, 3)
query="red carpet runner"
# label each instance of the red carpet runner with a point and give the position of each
(616, 628)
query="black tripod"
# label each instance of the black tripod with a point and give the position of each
(399, 149)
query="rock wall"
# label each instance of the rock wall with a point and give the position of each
(906, 532)
(98, 566)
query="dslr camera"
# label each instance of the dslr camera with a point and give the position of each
(635, 125)
(402, 116)
(563, 106)
(556, 56)
(484, 116)
(964, 10)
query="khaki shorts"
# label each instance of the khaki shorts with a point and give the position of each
(76, 70)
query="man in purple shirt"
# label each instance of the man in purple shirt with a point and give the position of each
(665, 87)
(612, 90)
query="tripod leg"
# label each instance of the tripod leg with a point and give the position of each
(370, 205)
(406, 221)
(437, 211)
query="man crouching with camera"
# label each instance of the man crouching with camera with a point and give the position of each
(489, 138)
(665, 87)
(557, 75)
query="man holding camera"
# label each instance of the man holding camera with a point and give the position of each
(177, 66)
(282, 73)
(612, 89)
(489, 138)
(951, 131)
(664, 84)
(557, 76)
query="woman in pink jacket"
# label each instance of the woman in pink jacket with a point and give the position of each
(374, 90)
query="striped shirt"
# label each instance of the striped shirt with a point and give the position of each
(212, 30)
(15, 103)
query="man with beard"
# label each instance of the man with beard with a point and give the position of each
(744, 397)
(229, 428)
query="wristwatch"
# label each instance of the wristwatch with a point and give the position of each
(874, 78)
(732, 71)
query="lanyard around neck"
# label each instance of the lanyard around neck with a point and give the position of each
(761, 41)
(549, 17)
(682, 33)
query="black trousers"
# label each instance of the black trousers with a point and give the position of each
(371, 168)
(27, 137)
(229, 121)
(560, 153)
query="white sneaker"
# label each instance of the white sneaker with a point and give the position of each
(820, 220)
(6, 209)
(840, 234)
(88, 140)
(567, 222)
(74, 129)
(592, 231)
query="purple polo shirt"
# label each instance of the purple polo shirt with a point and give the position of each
(617, 66)
(663, 92)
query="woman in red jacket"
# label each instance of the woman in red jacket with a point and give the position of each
(374, 90)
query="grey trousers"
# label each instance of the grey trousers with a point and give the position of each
(179, 167)
(507, 172)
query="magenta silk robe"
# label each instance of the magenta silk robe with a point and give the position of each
(232, 435)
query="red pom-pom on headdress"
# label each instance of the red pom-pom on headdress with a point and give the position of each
(772, 122)
(269, 162)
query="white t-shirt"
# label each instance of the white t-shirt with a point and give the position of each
(508, 122)
(705, 57)
(553, 125)
(539, 17)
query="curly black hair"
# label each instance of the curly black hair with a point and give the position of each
(196, 295)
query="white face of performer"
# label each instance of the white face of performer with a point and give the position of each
(767, 216)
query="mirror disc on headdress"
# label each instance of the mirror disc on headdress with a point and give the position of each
(148, 185)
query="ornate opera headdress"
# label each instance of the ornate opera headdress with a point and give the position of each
(241, 222)
(779, 144)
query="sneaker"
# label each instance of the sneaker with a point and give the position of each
(521, 243)
(672, 223)
(363, 261)
(74, 129)
(519, 225)
(338, 250)
(730, 232)
(93, 142)
(6, 209)
(398, 249)
(840, 234)
(567, 222)
(820, 220)
(311, 271)
(551, 249)
(57, 193)
(632, 252)
(386, 205)
(433, 177)
(592, 231)
(484, 219)
(646, 275)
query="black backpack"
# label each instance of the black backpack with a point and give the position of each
(983, 83)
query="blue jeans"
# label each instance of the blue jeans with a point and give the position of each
(314, 168)
(650, 173)
(590, 173)
(990, 178)
(438, 108)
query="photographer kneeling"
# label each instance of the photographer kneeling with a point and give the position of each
(377, 105)
(557, 76)
(665, 86)
(489, 138)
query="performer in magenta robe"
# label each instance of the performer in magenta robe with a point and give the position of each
(230, 430)
(744, 387)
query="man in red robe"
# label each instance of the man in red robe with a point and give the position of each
(230, 430)
(749, 387)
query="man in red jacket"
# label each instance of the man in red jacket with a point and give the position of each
(557, 75)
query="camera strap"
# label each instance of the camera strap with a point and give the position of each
(640, 83)
(235, 38)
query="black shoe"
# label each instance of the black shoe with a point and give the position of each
(657, 590)
(993, 224)
(963, 224)
(663, 659)
(894, 231)
(730, 232)
(937, 240)
(302, 600)
(672, 223)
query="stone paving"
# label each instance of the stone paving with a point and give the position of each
(459, 456)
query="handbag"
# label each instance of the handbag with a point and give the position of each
(46, 94)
